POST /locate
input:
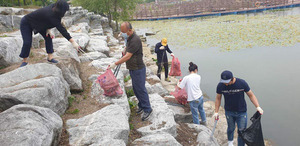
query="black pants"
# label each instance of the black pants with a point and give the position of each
(166, 66)
(26, 32)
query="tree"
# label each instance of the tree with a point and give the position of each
(114, 9)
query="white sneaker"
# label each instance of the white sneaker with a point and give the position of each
(230, 143)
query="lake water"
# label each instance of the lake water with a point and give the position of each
(273, 74)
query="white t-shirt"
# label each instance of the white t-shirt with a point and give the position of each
(191, 83)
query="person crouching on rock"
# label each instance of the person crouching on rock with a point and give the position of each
(191, 83)
(161, 49)
(41, 21)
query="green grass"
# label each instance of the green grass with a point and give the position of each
(2, 67)
(126, 79)
(132, 104)
(2, 36)
(75, 111)
(71, 99)
(84, 97)
(131, 126)
(129, 93)
(31, 55)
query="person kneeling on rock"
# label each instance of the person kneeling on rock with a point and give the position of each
(41, 21)
(191, 83)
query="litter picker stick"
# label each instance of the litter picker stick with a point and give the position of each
(213, 131)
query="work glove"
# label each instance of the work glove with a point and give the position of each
(172, 54)
(49, 34)
(260, 110)
(216, 116)
(162, 48)
(124, 51)
(75, 45)
(178, 83)
(112, 66)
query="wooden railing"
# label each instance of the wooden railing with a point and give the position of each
(184, 8)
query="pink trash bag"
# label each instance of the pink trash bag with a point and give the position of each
(180, 95)
(175, 67)
(109, 84)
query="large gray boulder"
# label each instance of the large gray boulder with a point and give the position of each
(180, 115)
(102, 63)
(109, 142)
(38, 84)
(204, 135)
(81, 38)
(10, 49)
(162, 118)
(98, 43)
(11, 11)
(69, 63)
(156, 88)
(110, 122)
(87, 57)
(160, 139)
(9, 23)
(80, 27)
(71, 70)
(24, 125)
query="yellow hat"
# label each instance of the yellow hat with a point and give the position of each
(164, 41)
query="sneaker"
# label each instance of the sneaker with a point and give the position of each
(52, 60)
(139, 111)
(146, 115)
(23, 64)
(167, 80)
(203, 123)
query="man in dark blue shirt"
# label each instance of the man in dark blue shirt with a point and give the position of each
(161, 49)
(233, 90)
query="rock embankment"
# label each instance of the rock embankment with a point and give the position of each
(32, 98)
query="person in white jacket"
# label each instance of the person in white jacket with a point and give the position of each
(191, 83)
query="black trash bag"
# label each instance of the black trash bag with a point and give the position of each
(253, 135)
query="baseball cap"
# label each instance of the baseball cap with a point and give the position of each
(164, 41)
(226, 77)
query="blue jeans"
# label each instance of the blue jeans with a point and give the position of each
(197, 105)
(26, 32)
(240, 118)
(138, 78)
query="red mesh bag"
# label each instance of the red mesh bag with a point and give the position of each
(180, 95)
(109, 84)
(175, 67)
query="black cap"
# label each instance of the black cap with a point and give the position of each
(226, 77)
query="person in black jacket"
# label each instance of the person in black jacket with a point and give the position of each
(41, 21)
(160, 50)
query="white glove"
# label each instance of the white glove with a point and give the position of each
(172, 54)
(178, 84)
(49, 33)
(75, 45)
(216, 116)
(124, 51)
(260, 110)
(112, 66)
(162, 47)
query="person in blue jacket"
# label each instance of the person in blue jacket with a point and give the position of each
(41, 21)
(161, 49)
